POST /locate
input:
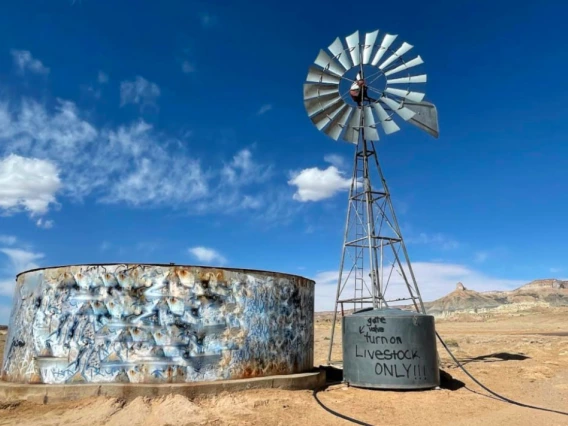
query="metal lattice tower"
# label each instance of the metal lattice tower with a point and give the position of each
(375, 269)
(373, 253)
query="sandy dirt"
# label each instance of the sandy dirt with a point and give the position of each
(522, 356)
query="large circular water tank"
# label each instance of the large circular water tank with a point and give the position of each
(157, 324)
(390, 349)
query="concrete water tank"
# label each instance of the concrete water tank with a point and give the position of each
(157, 324)
(390, 349)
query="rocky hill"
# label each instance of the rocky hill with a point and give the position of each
(538, 293)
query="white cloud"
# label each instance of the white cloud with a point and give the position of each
(314, 184)
(139, 91)
(28, 184)
(264, 109)
(102, 77)
(555, 270)
(187, 67)
(439, 240)
(435, 280)
(208, 255)
(336, 160)
(24, 61)
(45, 224)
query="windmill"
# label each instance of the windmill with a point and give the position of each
(355, 91)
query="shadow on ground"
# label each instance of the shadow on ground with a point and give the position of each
(496, 357)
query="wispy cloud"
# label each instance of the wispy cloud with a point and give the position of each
(439, 240)
(336, 160)
(187, 67)
(207, 255)
(132, 164)
(555, 270)
(264, 109)
(138, 91)
(207, 20)
(102, 77)
(481, 256)
(25, 62)
(20, 259)
(14, 261)
(244, 170)
(8, 240)
(44, 223)
(27, 184)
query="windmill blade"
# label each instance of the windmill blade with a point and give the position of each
(370, 126)
(370, 39)
(406, 94)
(323, 118)
(338, 51)
(315, 105)
(329, 64)
(412, 79)
(405, 113)
(338, 123)
(353, 44)
(385, 44)
(312, 90)
(416, 61)
(352, 132)
(317, 75)
(400, 51)
(388, 124)
(426, 117)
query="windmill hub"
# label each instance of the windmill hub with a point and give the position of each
(374, 81)
(357, 91)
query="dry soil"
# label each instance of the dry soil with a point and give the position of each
(522, 356)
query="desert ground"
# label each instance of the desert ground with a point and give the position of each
(523, 356)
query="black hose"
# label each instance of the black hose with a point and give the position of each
(335, 413)
(501, 397)
(459, 364)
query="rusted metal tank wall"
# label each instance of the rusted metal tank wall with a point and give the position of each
(157, 324)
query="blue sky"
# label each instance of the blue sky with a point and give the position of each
(173, 132)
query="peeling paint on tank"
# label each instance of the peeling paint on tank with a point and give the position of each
(157, 324)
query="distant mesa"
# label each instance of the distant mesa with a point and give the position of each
(545, 284)
(541, 293)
